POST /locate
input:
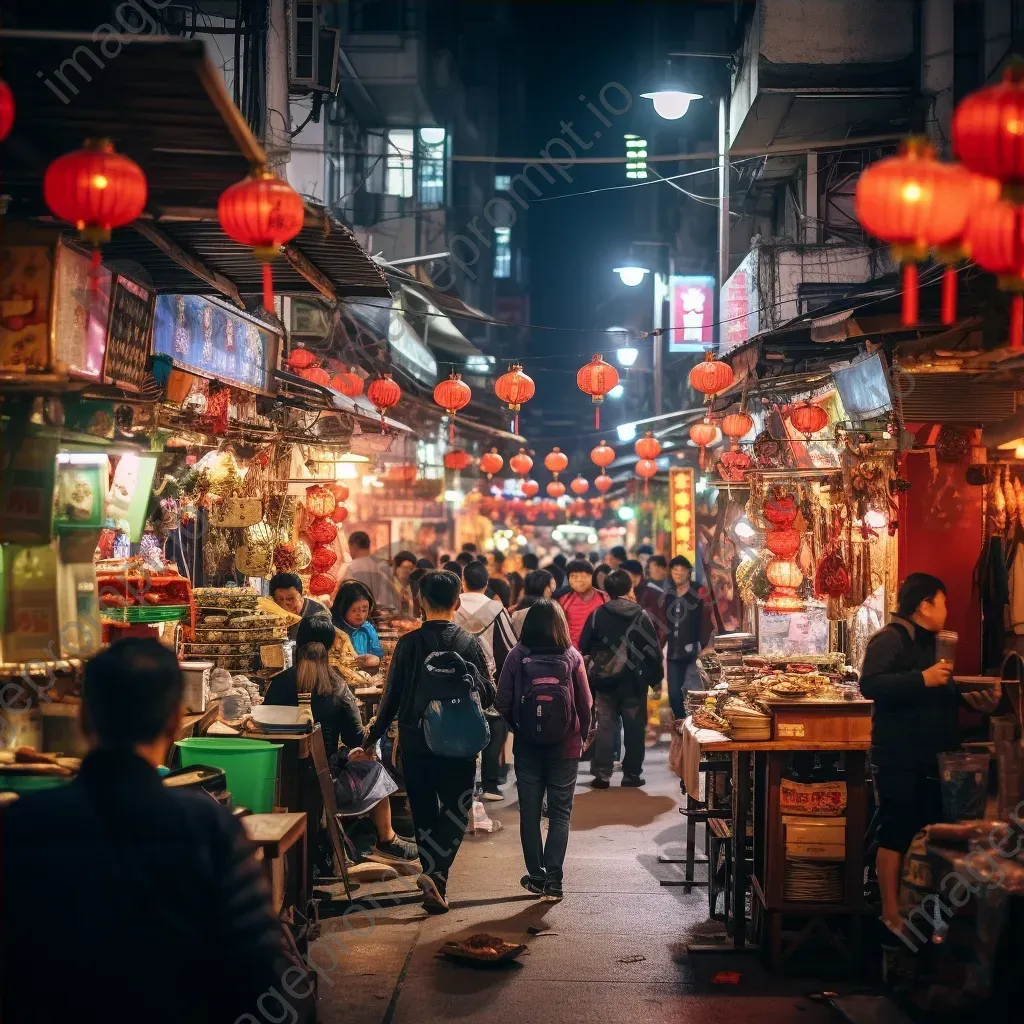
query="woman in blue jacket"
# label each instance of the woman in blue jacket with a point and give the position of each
(351, 613)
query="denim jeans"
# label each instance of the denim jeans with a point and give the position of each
(614, 709)
(540, 770)
(683, 676)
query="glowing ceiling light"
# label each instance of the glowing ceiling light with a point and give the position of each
(627, 356)
(631, 275)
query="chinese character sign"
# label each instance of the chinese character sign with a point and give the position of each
(692, 308)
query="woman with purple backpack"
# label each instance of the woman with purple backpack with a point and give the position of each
(544, 696)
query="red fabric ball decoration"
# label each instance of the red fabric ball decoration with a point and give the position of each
(555, 489)
(780, 509)
(323, 557)
(457, 459)
(648, 447)
(832, 578)
(491, 462)
(6, 109)
(383, 394)
(711, 376)
(580, 485)
(300, 358)
(322, 583)
(340, 514)
(808, 418)
(320, 501)
(96, 189)
(322, 531)
(603, 455)
(520, 463)
(339, 490)
(603, 483)
(530, 488)
(733, 465)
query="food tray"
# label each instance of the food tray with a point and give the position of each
(205, 650)
(969, 683)
(145, 613)
(508, 952)
(225, 597)
(220, 635)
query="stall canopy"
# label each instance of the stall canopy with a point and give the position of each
(163, 104)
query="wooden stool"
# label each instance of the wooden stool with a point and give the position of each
(698, 812)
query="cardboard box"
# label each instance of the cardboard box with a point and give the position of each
(815, 851)
(816, 834)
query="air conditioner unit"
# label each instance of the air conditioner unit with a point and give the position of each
(305, 43)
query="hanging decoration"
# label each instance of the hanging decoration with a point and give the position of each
(987, 131)
(316, 375)
(768, 451)
(711, 376)
(340, 514)
(703, 435)
(786, 578)
(736, 426)
(384, 394)
(530, 488)
(596, 379)
(913, 202)
(452, 395)
(322, 531)
(320, 501)
(579, 485)
(97, 189)
(783, 542)
(555, 489)
(339, 490)
(603, 483)
(491, 463)
(602, 456)
(348, 383)
(264, 212)
(513, 389)
(322, 583)
(648, 446)
(323, 557)
(520, 463)
(995, 237)
(7, 109)
(808, 418)
(734, 465)
(300, 358)
(457, 459)
(951, 444)
(555, 462)
(646, 469)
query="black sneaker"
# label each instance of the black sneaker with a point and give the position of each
(598, 783)
(398, 850)
(532, 885)
(434, 901)
(553, 891)
(633, 780)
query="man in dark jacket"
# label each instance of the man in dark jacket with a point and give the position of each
(678, 614)
(621, 644)
(165, 916)
(440, 789)
(914, 719)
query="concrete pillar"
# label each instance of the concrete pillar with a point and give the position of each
(812, 213)
(937, 71)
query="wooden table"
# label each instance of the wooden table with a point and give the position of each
(769, 851)
(276, 835)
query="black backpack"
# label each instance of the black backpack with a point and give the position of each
(544, 707)
(607, 666)
(448, 706)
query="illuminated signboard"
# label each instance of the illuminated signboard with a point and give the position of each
(682, 509)
(692, 313)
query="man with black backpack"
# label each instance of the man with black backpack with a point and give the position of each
(438, 687)
(624, 659)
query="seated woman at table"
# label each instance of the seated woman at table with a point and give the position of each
(351, 612)
(913, 721)
(336, 710)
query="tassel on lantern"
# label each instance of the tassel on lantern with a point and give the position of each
(949, 296)
(1017, 321)
(910, 297)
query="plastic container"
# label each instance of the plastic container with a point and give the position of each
(22, 782)
(250, 767)
(964, 779)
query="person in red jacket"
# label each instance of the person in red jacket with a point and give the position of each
(582, 600)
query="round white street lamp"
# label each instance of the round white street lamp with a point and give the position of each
(631, 275)
(617, 392)
(627, 356)
(671, 104)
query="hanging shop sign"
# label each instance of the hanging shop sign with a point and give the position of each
(682, 510)
(81, 314)
(213, 340)
(691, 313)
(128, 334)
(738, 309)
(26, 289)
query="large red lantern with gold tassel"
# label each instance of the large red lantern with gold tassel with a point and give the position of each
(384, 394)
(995, 234)
(596, 379)
(6, 109)
(264, 212)
(513, 389)
(711, 376)
(96, 189)
(452, 395)
(912, 201)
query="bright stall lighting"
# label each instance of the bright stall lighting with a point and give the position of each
(671, 104)
(743, 529)
(626, 432)
(591, 538)
(876, 520)
(617, 392)
(627, 356)
(432, 136)
(631, 275)
(346, 471)
(626, 513)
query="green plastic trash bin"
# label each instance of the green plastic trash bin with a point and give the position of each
(18, 782)
(250, 767)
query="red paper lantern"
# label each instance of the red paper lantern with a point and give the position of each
(452, 395)
(703, 435)
(6, 109)
(264, 212)
(300, 358)
(733, 465)
(784, 576)
(988, 125)
(995, 238)
(555, 461)
(384, 394)
(513, 389)
(322, 583)
(457, 459)
(555, 489)
(323, 557)
(647, 469)
(808, 418)
(648, 447)
(711, 376)
(603, 455)
(322, 531)
(348, 383)
(596, 379)
(579, 486)
(491, 463)
(316, 375)
(579, 508)
(339, 490)
(520, 463)
(779, 508)
(96, 189)
(340, 514)
(320, 501)
(530, 488)
(603, 483)
(736, 426)
(782, 543)
(912, 201)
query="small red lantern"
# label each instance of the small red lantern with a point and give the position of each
(96, 189)
(808, 418)
(323, 558)
(457, 459)
(782, 543)
(578, 508)
(513, 389)
(579, 486)
(603, 483)
(340, 514)
(316, 375)
(733, 465)
(264, 212)
(736, 426)
(6, 109)
(491, 463)
(648, 447)
(555, 489)
(711, 376)
(912, 201)
(520, 463)
(987, 128)
(779, 508)
(348, 383)
(647, 469)
(596, 379)
(555, 461)
(322, 583)
(384, 394)
(703, 435)
(339, 490)
(530, 488)
(322, 531)
(785, 577)
(603, 455)
(995, 237)
(320, 501)
(300, 358)
(452, 395)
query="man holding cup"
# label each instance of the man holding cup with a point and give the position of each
(907, 672)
